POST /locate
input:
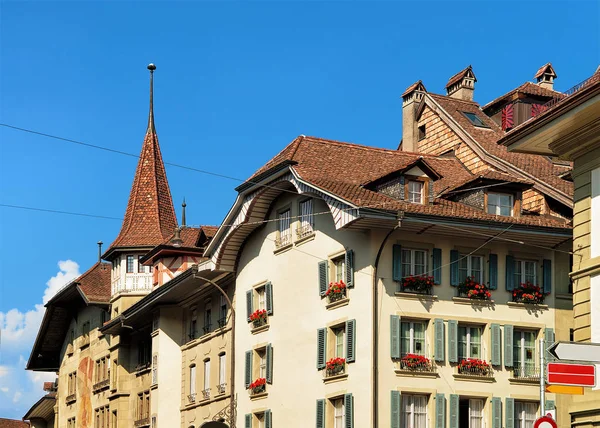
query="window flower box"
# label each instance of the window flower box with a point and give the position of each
(259, 317)
(417, 363)
(258, 386)
(529, 293)
(474, 367)
(335, 366)
(474, 290)
(336, 291)
(422, 284)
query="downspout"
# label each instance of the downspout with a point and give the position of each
(375, 330)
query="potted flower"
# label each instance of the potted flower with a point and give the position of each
(415, 362)
(474, 290)
(529, 293)
(473, 366)
(335, 366)
(259, 317)
(417, 284)
(258, 386)
(336, 291)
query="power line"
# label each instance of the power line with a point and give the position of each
(59, 212)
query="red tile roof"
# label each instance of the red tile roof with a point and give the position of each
(12, 423)
(95, 283)
(543, 68)
(190, 235)
(413, 87)
(527, 88)
(458, 76)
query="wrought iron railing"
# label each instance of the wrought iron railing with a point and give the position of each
(222, 322)
(207, 328)
(481, 371)
(304, 230)
(284, 239)
(142, 366)
(417, 364)
(526, 372)
(193, 335)
(572, 90)
(191, 397)
(206, 394)
(221, 388)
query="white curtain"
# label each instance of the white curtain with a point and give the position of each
(475, 413)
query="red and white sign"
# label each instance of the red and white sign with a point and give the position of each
(571, 374)
(545, 422)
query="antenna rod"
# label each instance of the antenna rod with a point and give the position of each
(100, 251)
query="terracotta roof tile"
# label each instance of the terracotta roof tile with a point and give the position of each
(527, 88)
(12, 423)
(413, 87)
(458, 76)
(543, 68)
(190, 235)
(95, 283)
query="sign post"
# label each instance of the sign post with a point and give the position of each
(542, 377)
(588, 352)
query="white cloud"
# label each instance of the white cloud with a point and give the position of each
(4, 389)
(3, 371)
(17, 396)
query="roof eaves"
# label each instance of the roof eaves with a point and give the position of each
(263, 175)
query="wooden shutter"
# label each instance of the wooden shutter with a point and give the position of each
(454, 411)
(510, 273)
(496, 412)
(508, 345)
(440, 411)
(437, 265)
(321, 344)
(323, 277)
(438, 325)
(395, 409)
(249, 304)
(493, 271)
(248, 372)
(509, 413)
(453, 341)
(350, 268)
(549, 339)
(350, 341)
(269, 297)
(349, 408)
(248, 420)
(496, 345)
(547, 275)
(397, 262)
(269, 354)
(507, 117)
(268, 423)
(320, 414)
(454, 268)
(394, 336)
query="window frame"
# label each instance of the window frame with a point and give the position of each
(523, 275)
(336, 263)
(521, 361)
(192, 378)
(412, 263)
(408, 197)
(342, 409)
(474, 119)
(222, 369)
(129, 268)
(411, 338)
(206, 380)
(207, 317)
(512, 197)
(469, 258)
(140, 267)
(422, 132)
(468, 342)
(519, 419)
(306, 222)
(284, 236)
(410, 398)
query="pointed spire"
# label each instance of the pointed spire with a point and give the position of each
(151, 67)
(183, 205)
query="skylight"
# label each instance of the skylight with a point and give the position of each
(475, 119)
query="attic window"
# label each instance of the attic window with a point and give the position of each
(475, 120)
(415, 191)
(422, 132)
(500, 204)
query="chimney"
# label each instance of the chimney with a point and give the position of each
(411, 98)
(545, 76)
(100, 251)
(462, 85)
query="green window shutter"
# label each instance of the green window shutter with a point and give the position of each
(493, 273)
(397, 262)
(321, 342)
(394, 336)
(509, 413)
(269, 297)
(549, 339)
(496, 345)
(437, 264)
(395, 409)
(248, 372)
(440, 411)
(453, 341)
(547, 275)
(454, 268)
(350, 268)
(508, 345)
(269, 352)
(350, 341)
(249, 303)
(320, 414)
(248, 420)
(323, 277)
(268, 423)
(510, 273)
(550, 405)
(496, 412)
(454, 411)
(438, 325)
(349, 408)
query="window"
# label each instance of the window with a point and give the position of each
(102, 369)
(71, 423)
(72, 336)
(525, 414)
(143, 406)
(144, 350)
(102, 417)
(306, 218)
(85, 329)
(414, 262)
(262, 363)
(412, 337)
(222, 311)
(114, 375)
(141, 267)
(470, 266)
(470, 413)
(260, 297)
(285, 233)
(474, 119)
(524, 352)
(422, 133)
(414, 411)
(207, 317)
(154, 369)
(115, 421)
(72, 385)
(206, 389)
(525, 270)
(193, 382)
(339, 266)
(415, 191)
(469, 342)
(260, 418)
(338, 334)
(499, 204)
(129, 264)
(193, 324)
(222, 373)
(339, 415)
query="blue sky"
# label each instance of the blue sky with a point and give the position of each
(235, 83)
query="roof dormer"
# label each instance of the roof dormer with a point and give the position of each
(545, 76)
(462, 85)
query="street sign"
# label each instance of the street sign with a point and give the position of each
(545, 422)
(563, 389)
(589, 352)
(571, 374)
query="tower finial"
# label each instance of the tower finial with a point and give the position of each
(183, 205)
(151, 67)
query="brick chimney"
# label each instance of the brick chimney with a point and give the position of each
(411, 98)
(462, 85)
(545, 76)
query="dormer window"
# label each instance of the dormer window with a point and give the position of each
(499, 203)
(474, 119)
(422, 133)
(415, 191)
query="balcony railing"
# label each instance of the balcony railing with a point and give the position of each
(132, 282)
(142, 366)
(207, 328)
(193, 335)
(191, 397)
(304, 230)
(206, 394)
(484, 370)
(101, 385)
(142, 422)
(222, 322)
(526, 373)
(221, 388)
(335, 371)
(284, 239)
(417, 364)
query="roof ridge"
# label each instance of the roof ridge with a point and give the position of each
(448, 97)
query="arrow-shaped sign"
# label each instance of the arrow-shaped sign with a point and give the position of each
(589, 352)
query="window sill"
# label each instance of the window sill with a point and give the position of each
(283, 248)
(416, 296)
(204, 338)
(336, 378)
(256, 330)
(415, 373)
(305, 238)
(154, 386)
(142, 371)
(259, 396)
(525, 381)
(71, 399)
(529, 306)
(564, 296)
(337, 303)
(475, 378)
(474, 302)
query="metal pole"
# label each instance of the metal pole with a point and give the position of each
(232, 375)
(542, 378)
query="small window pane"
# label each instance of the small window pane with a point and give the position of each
(475, 120)
(415, 192)
(129, 264)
